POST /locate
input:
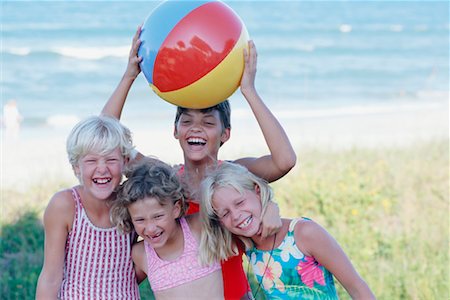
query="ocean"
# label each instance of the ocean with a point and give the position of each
(61, 60)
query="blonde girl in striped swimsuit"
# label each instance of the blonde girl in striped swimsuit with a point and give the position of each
(85, 256)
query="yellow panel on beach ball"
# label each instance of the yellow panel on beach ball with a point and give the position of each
(214, 87)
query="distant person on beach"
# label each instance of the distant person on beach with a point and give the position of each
(151, 202)
(85, 256)
(11, 119)
(297, 262)
(201, 133)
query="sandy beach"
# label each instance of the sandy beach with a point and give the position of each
(39, 153)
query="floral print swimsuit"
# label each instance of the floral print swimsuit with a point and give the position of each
(290, 273)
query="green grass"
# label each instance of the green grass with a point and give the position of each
(388, 208)
(21, 253)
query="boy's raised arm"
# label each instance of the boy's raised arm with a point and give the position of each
(115, 103)
(282, 156)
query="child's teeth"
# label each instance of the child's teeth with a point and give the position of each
(245, 223)
(157, 235)
(196, 141)
(101, 181)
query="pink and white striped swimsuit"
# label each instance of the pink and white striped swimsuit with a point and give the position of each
(98, 262)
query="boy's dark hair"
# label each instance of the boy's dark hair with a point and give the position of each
(223, 108)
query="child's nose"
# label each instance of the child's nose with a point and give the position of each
(101, 165)
(196, 127)
(235, 214)
(149, 228)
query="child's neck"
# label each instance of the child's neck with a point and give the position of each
(272, 241)
(267, 243)
(203, 163)
(174, 245)
(97, 210)
(195, 170)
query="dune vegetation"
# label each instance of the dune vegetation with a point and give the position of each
(387, 207)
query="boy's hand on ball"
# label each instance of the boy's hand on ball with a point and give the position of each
(249, 74)
(133, 68)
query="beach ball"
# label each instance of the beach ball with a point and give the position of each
(193, 52)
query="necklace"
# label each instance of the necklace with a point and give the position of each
(265, 268)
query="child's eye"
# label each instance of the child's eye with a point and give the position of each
(159, 217)
(224, 215)
(209, 122)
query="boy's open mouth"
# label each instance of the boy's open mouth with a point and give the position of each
(196, 141)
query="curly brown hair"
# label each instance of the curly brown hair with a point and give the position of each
(147, 178)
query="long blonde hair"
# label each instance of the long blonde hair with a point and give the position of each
(217, 243)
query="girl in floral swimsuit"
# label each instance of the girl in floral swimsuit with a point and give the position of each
(297, 262)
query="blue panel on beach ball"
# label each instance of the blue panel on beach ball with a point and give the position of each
(157, 27)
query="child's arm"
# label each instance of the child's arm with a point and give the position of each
(282, 157)
(116, 102)
(317, 242)
(140, 261)
(271, 220)
(57, 217)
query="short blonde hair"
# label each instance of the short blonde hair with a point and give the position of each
(146, 178)
(99, 134)
(216, 241)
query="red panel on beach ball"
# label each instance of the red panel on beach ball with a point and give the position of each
(196, 45)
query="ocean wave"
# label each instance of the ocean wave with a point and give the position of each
(92, 53)
(345, 28)
(342, 111)
(19, 51)
(27, 26)
(82, 53)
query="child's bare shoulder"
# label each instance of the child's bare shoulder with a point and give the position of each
(62, 201)
(60, 211)
(306, 227)
(139, 257)
(138, 248)
(308, 234)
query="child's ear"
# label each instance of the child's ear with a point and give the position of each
(225, 135)
(175, 131)
(257, 190)
(176, 211)
(76, 170)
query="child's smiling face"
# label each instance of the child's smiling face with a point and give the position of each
(240, 213)
(154, 222)
(100, 174)
(200, 134)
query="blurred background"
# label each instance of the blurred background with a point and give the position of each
(361, 88)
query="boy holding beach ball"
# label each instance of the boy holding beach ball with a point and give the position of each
(201, 133)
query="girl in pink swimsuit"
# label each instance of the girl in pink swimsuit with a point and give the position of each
(151, 201)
